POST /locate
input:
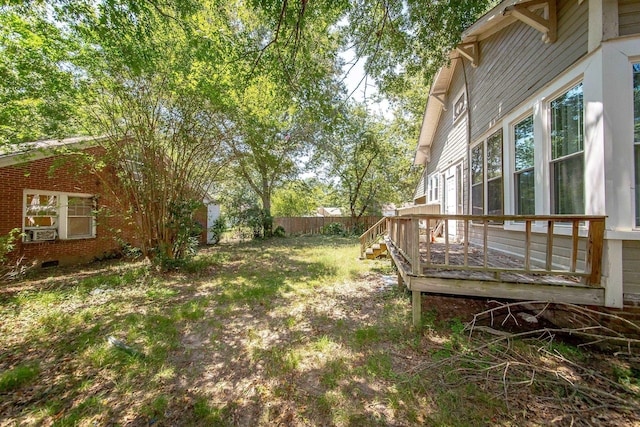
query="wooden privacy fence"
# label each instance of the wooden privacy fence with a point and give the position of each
(315, 224)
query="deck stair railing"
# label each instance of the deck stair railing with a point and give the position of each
(372, 235)
(404, 235)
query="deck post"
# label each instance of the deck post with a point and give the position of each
(594, 251)
(415, 246)
(416, 307)
(400, 281)
(612, 273)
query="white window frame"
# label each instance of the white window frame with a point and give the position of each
(635, 146)
(61, 227)
(516, 172)
(540, 106)
(461, 98)
(434, 189)
(485, 178)
(581, 153)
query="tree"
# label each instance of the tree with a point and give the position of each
(368, 160)
(155, 91)
(159, 142)
(282, 101)
(301, 198)
(39, 90)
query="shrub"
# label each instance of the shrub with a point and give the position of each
(279, 231)
(217, 229)
(334, 229)
(8, 243)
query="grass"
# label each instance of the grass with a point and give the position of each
(289, 331)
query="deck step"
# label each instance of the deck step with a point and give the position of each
(376, 250)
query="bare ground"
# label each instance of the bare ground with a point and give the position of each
(307, 346)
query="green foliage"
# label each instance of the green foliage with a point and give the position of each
(279, 232)
(217, 229)
(334, 229)
(8, 243)
(40, 95)
(301, 198)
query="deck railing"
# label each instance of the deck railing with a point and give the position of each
(370, 236)
(404, 234)
(419, 210)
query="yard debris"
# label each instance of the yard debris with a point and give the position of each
(529, 318)
(122, 346)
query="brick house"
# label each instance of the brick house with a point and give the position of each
(52, 198)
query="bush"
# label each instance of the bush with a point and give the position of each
(217, 229)
(279, 231)
(358, 229)
(8, 243)
(334, 229)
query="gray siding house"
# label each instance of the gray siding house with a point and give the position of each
(538, 114)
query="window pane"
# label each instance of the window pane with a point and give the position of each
(568, 176)
(567, 123)
(525, 193)
(524, 144)
(477, 199)
(41, 210)
(494, 155)
(494, 190)
(80, 226)
(80, 206)
(477, 162)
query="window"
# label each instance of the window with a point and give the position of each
(486, 173)
(477, 180)
(567, 155)
(433, 188)
(459, 107)
(494, 174)
(49, 215)
(79, 217)
(459, 194)
(636, 134)
(524, 171)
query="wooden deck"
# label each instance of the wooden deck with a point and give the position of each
(475, 268)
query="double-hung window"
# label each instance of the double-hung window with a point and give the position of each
(567, 152)
(433, 188)
(636, 134)
(524, 167)
(49, 215)
(477, 180)
(486, 176)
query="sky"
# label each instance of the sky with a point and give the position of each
(363, 89)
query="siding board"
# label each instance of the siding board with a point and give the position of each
(631, 267)
(515, 63)
(512, 243)
(628, 17)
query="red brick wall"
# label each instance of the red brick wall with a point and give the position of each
(68, 177)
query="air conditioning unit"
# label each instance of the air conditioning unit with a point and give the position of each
(38, 235)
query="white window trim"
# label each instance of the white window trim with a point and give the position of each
(509, 160)
(485, 183)
(63, 201)
(435, 176)
(461, 95)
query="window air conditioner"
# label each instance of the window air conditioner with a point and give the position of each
(37, 235)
